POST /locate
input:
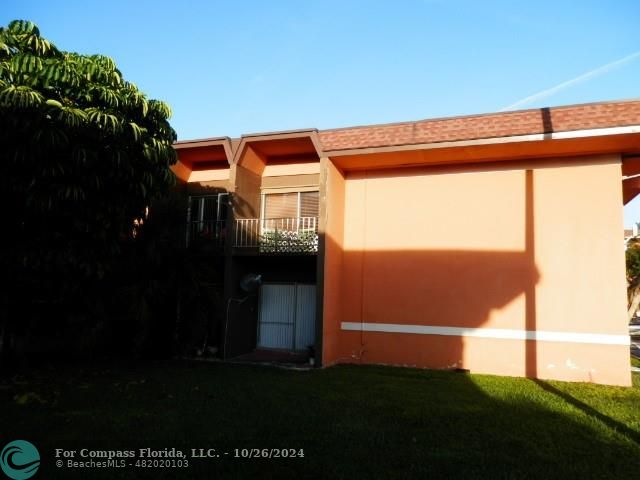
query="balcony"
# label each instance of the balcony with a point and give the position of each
(293, 235)
(205, 235)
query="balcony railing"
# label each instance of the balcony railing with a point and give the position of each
(277, 235)
(205, 233)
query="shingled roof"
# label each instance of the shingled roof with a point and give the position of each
(473, 127)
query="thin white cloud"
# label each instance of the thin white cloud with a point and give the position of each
(569, 83)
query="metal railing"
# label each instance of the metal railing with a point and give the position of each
(278, 235)
(209, 232)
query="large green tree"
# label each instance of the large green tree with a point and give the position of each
(83, 153)
(632, 255)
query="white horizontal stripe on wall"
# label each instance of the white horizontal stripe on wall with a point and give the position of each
(501, 333)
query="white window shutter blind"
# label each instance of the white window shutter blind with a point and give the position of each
(281, 205)
(309, 204)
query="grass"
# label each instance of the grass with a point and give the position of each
(351, 421)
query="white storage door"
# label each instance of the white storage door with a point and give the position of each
(305, 325)
(287, 316)
(277, 315)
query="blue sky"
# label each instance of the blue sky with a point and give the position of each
(234, 67)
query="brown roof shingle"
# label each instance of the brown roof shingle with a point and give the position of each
(503, 124)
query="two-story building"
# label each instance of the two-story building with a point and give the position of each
(485, 242)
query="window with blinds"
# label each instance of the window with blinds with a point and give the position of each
(309, 204)
(293, 211)
(281, 205)
(291, 205)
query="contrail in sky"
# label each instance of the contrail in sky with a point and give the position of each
(569, 83)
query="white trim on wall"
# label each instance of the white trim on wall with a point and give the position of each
(499, 333)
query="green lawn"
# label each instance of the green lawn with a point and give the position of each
(352, 421)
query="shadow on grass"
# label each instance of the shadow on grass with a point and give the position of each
(590, 411)
(351, 422)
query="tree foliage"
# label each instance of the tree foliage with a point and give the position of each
(632, 255)
(83, 153)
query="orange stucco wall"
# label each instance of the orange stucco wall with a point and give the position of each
(189, 174)
(210, 174)
(252, 161)
(181, 171)
(332, 221)
(291, 168)
(493, 251)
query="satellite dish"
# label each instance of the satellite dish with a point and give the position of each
(250, 282)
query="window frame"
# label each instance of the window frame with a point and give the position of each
(220, 198)
(263, 207)
(196, 224)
